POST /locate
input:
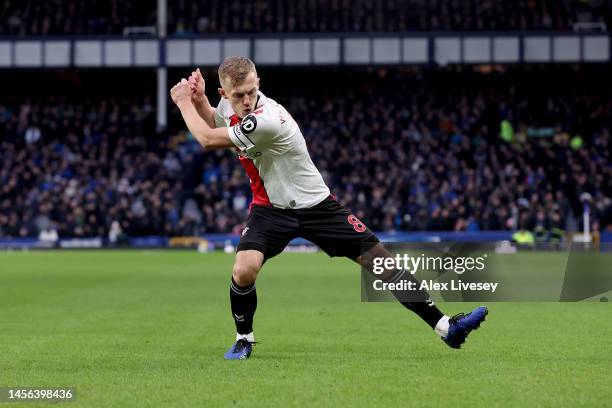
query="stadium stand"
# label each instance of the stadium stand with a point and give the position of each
(405, 149)
(82, 17)
(75, 17)
(220, 16)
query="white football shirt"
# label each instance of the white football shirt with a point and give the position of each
(272, 150)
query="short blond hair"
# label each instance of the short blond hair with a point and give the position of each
(236, 70)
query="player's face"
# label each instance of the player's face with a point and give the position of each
(242, 97)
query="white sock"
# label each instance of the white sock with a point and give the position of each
(442, 326)
(250, 337)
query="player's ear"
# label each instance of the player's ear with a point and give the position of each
(222, 92)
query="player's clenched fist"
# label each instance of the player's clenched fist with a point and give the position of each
(197, 86)
(181, 92)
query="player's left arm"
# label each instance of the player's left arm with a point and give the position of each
(254, 132)
(208, 137)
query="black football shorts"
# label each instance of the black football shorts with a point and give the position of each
(328, 225)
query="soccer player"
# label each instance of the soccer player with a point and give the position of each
(290, 198)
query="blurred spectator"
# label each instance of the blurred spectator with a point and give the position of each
(116, 237)
(32, 134)
(48, 236)
(523, 237)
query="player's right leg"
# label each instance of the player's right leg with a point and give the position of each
(267, 233)
(243, 299)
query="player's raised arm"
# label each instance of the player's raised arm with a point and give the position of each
(208, 137)
(197, 84)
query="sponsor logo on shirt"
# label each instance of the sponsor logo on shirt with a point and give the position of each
(249, 155)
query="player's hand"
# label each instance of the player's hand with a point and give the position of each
(181, 92)
(198, 87)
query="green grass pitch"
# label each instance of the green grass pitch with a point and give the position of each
(138, 328)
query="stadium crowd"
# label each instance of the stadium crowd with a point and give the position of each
(28, 17)
(221, 16)
(74, 17)
(404, 149)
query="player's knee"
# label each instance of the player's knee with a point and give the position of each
(377, 251)
(244, 274)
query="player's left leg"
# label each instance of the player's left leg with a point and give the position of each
(339, 233)
(418, 301)
(453, 330)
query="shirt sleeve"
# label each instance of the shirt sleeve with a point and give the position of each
(219, 112)
(254, 131)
